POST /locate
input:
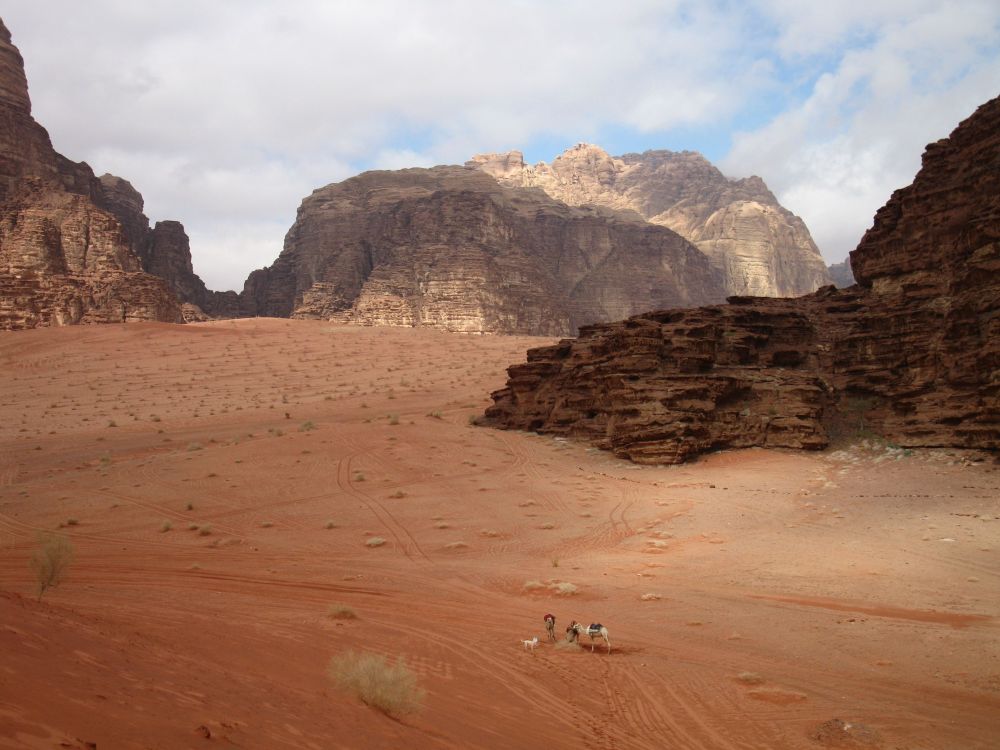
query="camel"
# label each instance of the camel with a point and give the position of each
(550, 627)
(575, 629)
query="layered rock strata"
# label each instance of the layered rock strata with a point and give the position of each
(449, 247)
(912, 352)
(761, 248)
(75, 248)
(164, 250)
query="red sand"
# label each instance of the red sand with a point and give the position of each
(751, 598)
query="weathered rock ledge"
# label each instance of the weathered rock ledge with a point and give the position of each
(912, 352)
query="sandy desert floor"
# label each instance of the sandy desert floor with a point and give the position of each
(219, 483)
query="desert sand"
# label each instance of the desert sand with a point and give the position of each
(220, 483)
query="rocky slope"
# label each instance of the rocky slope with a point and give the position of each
(912, 352)
(761, 248)
(75, 248)
(449, 247)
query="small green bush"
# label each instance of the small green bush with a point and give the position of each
(389, 688)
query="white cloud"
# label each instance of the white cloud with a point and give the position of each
(837, 156)
(226, 114)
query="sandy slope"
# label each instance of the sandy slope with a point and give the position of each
(750, 598)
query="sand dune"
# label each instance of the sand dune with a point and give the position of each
(219, 483)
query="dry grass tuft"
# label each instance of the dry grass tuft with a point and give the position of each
(375, 541)
(51, 560)
(390, 688)
(341, 612)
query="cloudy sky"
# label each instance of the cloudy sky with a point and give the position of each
(225, 114)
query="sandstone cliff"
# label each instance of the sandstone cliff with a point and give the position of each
(451, 248)
(64, 257)
(912, 352)
(760, 247)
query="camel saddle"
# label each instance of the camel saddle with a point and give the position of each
(595, 627)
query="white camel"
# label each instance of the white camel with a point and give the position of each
(576, 629)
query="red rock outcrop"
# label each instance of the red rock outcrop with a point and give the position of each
(64, 258)
(449, 247)
(761, 248)
(912, 352)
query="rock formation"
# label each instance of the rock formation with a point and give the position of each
(164, 251)
(64, 258)
(449, 247)
(762, 248)
(841, 274)
(912, 352)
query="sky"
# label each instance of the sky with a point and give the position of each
(226, 114)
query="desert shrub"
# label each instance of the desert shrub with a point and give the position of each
(564, 588)
(205, 530)
(649, 597)
(51, 560)
(341, 612)
(167, 526)
(266, 524)
(306, 426)
(390, 688)
(375, 541)
(393, 419)
(533, 585)
(456, 545)
(750, 678)
(330, 525)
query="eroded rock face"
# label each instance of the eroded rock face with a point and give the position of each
(761, 248)
(912, 352)
(65, 258)
(164, 251)
(449, 247)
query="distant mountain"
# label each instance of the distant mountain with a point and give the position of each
(761, 248)
(841, 274)
(451, 248)
(911, 352)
